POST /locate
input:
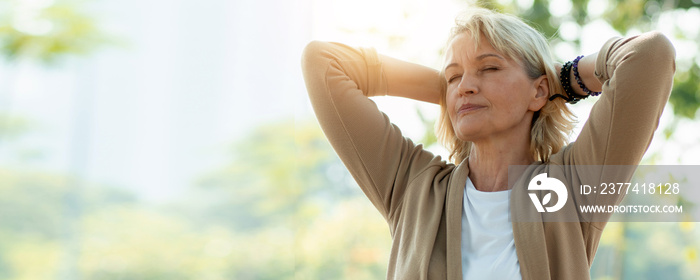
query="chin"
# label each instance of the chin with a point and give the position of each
(465, 134)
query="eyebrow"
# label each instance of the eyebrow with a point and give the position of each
(480, 57)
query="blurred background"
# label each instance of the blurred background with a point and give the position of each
(174, 139)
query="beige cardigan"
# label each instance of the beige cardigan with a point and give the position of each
(420, 194)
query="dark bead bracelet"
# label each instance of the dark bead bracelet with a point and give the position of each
(578, 78)
(571, 96)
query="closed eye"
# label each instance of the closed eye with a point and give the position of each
(454, 78)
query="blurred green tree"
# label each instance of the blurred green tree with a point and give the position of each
(42, 31)
(276, 170)
(285, 183)
(48, 30)
(33, 224)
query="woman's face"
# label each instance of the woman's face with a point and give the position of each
(489, 95)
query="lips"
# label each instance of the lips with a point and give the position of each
(468, 108)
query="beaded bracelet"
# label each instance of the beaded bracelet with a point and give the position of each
(571, 96)
(578, 79)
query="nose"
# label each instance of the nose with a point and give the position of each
(467, 85)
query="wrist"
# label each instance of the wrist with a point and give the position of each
(582, 76)
(573, 75)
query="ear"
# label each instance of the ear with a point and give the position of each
(541, 93)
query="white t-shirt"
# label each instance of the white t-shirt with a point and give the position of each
(488, 247)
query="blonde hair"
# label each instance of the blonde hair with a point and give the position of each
(551, 125)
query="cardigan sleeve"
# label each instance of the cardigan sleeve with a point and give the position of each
(637, 76)
(339, 80)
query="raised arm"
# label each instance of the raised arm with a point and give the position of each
(636, 75)
(339, 79)
(410, 80)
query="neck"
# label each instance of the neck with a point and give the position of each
(489, 160)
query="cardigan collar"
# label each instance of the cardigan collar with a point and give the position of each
(455, 194)
(530, 245)
(529, 237)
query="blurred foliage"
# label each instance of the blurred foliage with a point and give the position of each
(12, 127)
(283, 167)
(48, 30)
(285, 177)
(32, 207)
(686, 92)
(310, 220)
(648, 251)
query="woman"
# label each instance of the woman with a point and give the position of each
(502, 104)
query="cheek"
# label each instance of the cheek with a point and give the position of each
(450, 100)
(511, 95)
